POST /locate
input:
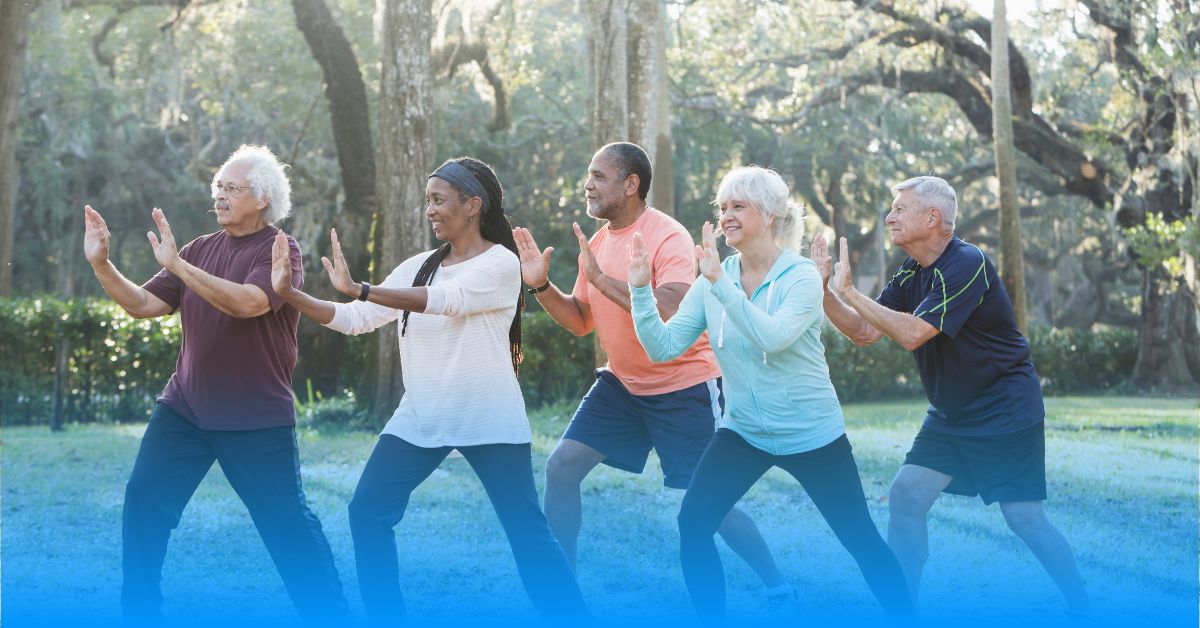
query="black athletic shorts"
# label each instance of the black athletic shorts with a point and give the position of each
(1004, 468)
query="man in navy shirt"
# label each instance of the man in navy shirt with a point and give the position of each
(983, 434)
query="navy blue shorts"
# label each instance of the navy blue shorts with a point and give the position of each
(624, 427)
(1004, 468)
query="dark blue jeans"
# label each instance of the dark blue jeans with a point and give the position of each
(396, 467)
(730, 466)
(264, 468)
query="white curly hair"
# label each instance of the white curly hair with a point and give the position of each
(267, 178)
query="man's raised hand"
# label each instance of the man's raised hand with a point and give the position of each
(842, 280)
(95, 237)
(587, 259)
(165, 250)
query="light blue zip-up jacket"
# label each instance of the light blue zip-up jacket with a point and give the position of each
(776, 382)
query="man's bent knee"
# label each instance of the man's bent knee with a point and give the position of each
(1025, 519)
(569, 463)
(904, 500)
(914, 490)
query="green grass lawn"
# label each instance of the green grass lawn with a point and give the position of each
(1123, 488)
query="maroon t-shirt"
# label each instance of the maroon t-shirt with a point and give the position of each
(232, 373)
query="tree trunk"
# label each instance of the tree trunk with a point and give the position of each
(607, 34)
(662, 191)
(608, 45)
(1011, 257)
(321, 352)
(641, 51)
(1168, 336)
(14, 20)
(404, 159)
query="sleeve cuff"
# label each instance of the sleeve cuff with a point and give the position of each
(435, 300)
(642, 295)
(341, 318)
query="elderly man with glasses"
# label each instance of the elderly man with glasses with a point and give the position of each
(984, 432)
(230, 398)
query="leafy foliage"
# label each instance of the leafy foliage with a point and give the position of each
(116, 365)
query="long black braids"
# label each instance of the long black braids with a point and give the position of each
(494, 227)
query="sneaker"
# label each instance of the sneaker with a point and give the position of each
(783, 605)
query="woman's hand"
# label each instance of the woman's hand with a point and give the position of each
(339, 274)
(535, 263)
(707, 255)
(281, 266)
(820, 256)
(639, 262)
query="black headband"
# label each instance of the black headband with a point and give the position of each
(460, 177)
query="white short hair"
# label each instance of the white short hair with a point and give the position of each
(765, 190)
(933, 192)
(267, 178)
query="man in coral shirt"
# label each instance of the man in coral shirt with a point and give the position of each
(635, 405)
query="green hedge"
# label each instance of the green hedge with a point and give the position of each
(1083, 361)
(116, 365)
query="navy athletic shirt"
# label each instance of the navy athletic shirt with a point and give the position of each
(977, 372)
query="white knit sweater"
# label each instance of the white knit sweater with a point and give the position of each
(459, 384)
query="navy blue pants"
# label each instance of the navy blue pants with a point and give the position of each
(263, 466)
(396, 467)
(729, 468)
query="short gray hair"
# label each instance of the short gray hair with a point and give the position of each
(267, 178)
(933, 192)
(765, 190)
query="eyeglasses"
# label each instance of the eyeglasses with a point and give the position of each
(230, 189)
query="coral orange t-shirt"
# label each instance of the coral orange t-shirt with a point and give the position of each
(672, 260)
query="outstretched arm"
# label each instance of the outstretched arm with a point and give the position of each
(284, 285)
(844, 318)
(234, 299)
(908, 330)
(667, 295)
(134, 299)
(395, 297)
(568, 311)
(662, 340)
(770, 332)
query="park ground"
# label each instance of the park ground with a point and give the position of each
(1122, 481)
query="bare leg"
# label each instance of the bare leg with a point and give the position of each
(565, 470)
(912, 495)
(743, 537)
(1028, 520)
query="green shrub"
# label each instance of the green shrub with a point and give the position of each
(115, 365)
(1068, 361)
(336, 414)
(558, 366)
(1080, 360)
(883, 370)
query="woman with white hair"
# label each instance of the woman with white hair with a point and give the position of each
(762, 311)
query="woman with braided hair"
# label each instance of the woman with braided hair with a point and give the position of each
(460, 343)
